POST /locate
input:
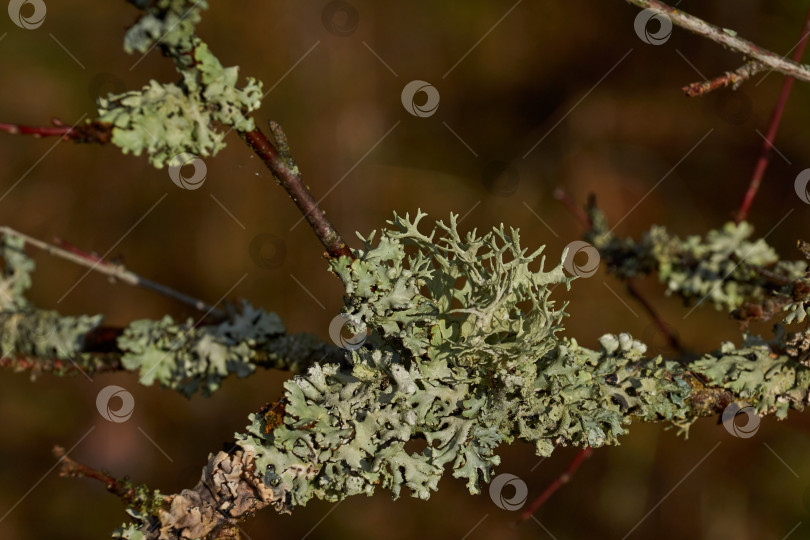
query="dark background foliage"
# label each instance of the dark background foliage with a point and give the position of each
(533, 77)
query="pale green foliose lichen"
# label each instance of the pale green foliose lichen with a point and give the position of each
(726, 267)
(463, 355)
(187, 357)
(166, 120)
(771, 382)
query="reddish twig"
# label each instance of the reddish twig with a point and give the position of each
(773, 127)
(671, 338)
(564, 478)
(277, 158)
(729, 78)
(35, 366)
(284, 169)
(89, 132)
(69, 468)
(561, 195)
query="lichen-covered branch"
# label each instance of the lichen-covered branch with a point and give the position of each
(464, 352)
(725, 268)
(729, 39)
(186, 356)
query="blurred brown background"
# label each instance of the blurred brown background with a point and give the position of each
(533, 77)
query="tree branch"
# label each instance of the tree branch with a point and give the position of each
(280, 163)
(115, 271)
(729, 78)
(727, 38)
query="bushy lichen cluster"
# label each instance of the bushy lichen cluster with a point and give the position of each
(165, 120)
(726, 267)
(463, 356)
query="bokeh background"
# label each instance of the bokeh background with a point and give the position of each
(574, 75)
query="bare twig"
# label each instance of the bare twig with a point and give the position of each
(115, 271)
(561, 195)
(69, 468)
(101, 363)
(727, 38)
(89, 132)
(729, 78)
(671, 338)
(564, 478)
(773, 127)
(286, 172)
(277, 158)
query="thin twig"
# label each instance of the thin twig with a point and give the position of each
(115, 271)
(727, 38)
(585, 220)
(69, 468)
(729, 78)
(671, 338)
(561, 195)
(773, 127)
(564, 478)
(89, 132)
(277, 158)
(287, 174)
